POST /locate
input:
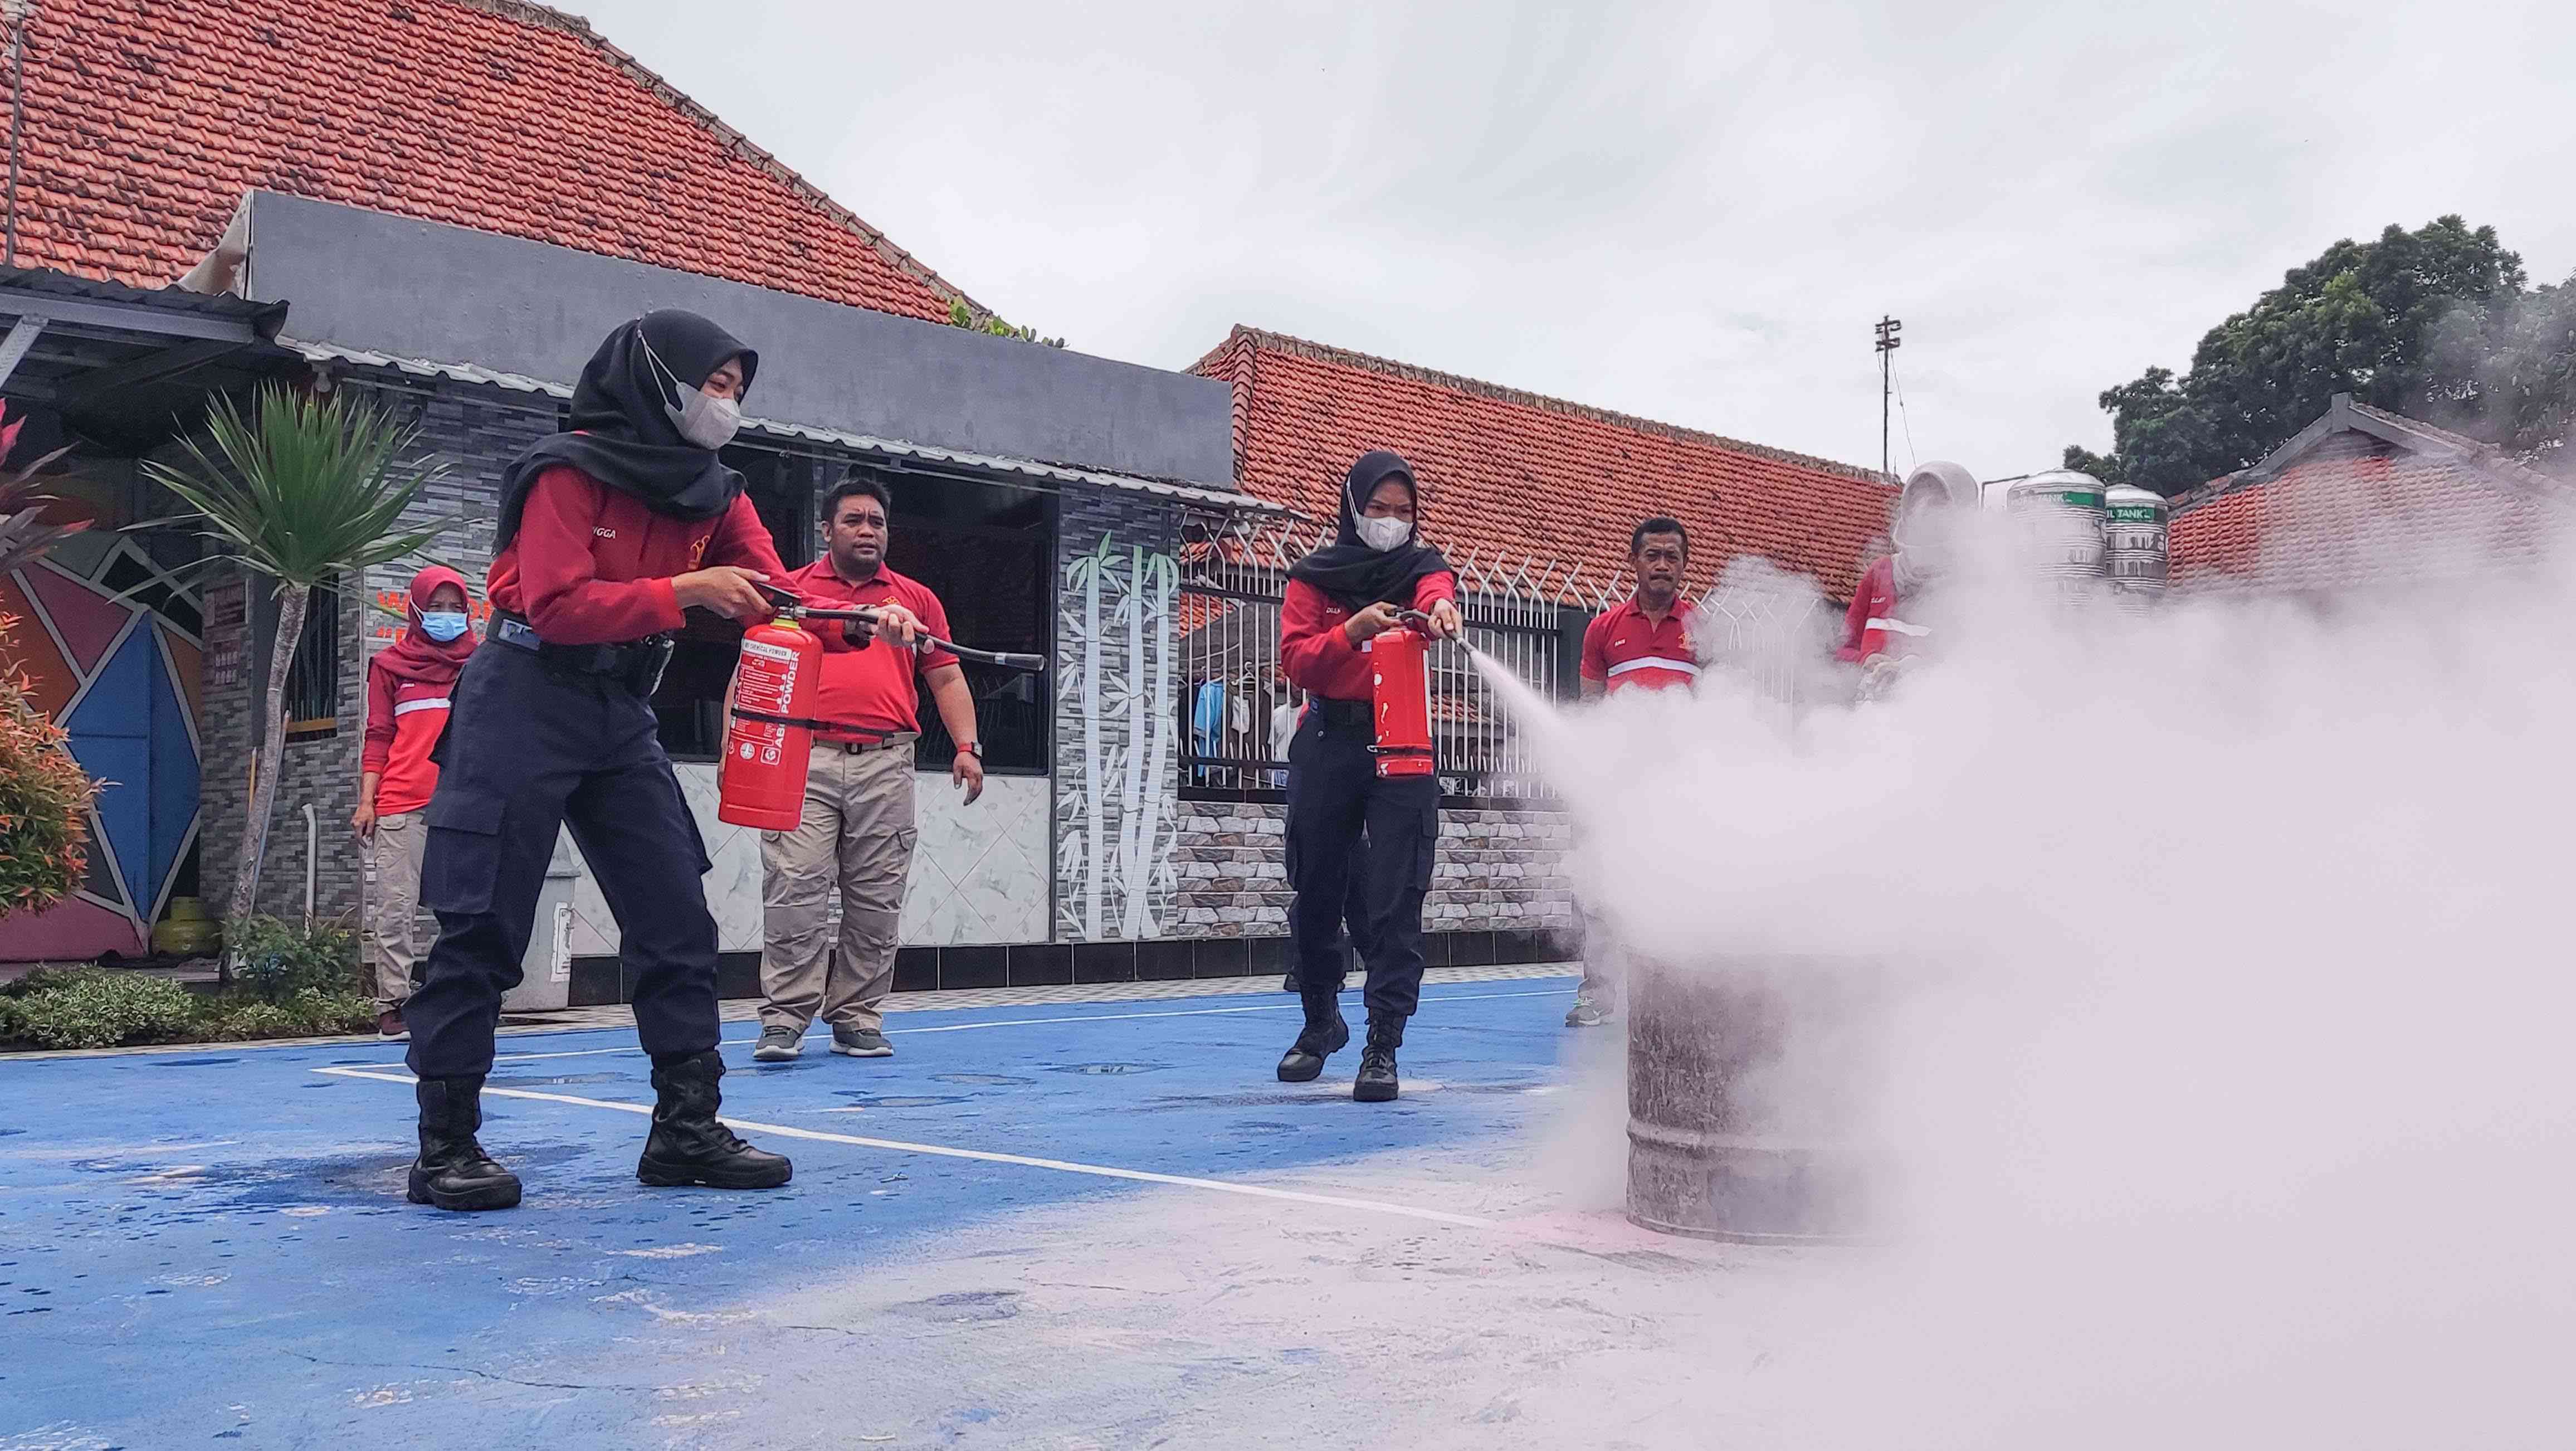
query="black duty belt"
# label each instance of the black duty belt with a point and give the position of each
(636, 662)
(1344, 712)
(869, 737)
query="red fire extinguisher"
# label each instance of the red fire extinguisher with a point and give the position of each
(761, 781)
(1400, 660)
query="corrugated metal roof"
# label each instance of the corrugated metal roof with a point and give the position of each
(262, 318)
(891, 448)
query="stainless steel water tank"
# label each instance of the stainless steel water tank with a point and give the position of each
(2135, 538)
(2059, 518)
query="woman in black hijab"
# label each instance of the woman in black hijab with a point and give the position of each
(1339, 599)
(607, 534)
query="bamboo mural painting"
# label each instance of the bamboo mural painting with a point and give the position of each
(1118, 820)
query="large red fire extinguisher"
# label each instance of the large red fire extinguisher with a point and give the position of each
(1400, 660)
(761, 781)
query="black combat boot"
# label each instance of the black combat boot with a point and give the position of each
(452, 1171)
(1376, 1081)
(688, 1145)
(1325, 1035)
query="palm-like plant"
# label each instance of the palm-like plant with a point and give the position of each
(306, 488)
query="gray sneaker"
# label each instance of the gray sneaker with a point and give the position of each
(777, 1045)
(861, 1043)
(1586, 1015)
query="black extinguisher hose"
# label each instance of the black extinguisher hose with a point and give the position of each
(796, 608)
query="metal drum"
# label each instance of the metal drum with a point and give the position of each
(1750, 1088)
(2059, 519)
(2135, 538)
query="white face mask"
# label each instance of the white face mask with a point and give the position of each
(1385, 532)
(706, 420)
(702, 418)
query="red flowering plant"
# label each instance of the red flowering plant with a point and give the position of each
(44, 794)
(44, 801)
(24, 530)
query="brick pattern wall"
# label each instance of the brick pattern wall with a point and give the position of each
(224, 735)
(321, 770)
(1093, 721)
(1496, 871)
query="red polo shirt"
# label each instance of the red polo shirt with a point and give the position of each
(877, 688)
(1624, 648)
(593, 566)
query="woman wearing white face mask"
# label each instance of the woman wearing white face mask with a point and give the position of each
(607, 533)
(1339, 599)
(407, 703)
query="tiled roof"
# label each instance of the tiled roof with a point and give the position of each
(1512, 473)
(2364, 497)
(147, 120)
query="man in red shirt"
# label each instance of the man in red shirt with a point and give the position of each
(857, 832)
(1643, 644)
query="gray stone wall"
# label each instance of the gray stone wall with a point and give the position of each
(319, 770)
(224, 735)
(1117, 723)
(1496, 871)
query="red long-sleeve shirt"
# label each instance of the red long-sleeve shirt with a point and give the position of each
(404, 718)
(1875, 616)
(592, 566)
(1316, 653)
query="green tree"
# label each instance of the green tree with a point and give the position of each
(2361, 318)
(2505, 370)
(309, 487)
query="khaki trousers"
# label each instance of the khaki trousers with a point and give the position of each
(394, 910)
(856, 841)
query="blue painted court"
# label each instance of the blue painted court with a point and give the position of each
(213, 1244)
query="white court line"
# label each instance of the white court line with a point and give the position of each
(1024, 1023)
(1062, 1166)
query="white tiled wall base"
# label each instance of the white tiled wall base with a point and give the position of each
(979, 873)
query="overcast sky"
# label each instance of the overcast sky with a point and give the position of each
(1691, 212)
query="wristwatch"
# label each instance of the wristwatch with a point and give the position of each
(973, 748)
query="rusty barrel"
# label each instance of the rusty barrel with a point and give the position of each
(1751, 1083)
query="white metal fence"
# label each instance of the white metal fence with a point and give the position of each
(1237, 706)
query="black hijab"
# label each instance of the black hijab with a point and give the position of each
(623, 435)
(1351, 572)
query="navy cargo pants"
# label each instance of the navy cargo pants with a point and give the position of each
(1335, 800)
(530, 747)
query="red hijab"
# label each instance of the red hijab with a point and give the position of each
(415, 656)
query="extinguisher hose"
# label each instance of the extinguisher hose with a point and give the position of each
(1035, 664)
(791, 605)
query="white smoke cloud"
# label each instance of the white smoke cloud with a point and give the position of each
(2227, 1002)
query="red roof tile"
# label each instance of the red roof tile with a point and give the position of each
(146, 120)
(2364, 497)
(1528, 477)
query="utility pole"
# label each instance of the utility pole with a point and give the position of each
(16, 12)
(1888, 343)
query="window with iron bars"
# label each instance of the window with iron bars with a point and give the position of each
(313, 676)
(1238, 711)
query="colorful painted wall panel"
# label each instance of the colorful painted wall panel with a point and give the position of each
(122, 676)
